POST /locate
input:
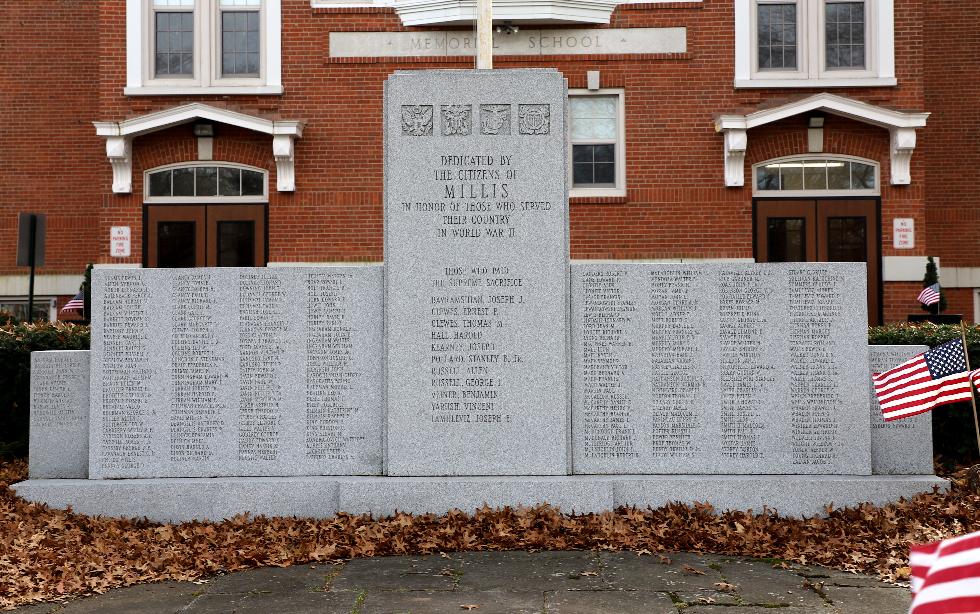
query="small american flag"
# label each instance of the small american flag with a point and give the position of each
(75, 304)
(931, 379)
(929, 295)
(946, 576)
(976, 379)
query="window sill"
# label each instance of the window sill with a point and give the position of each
(166, 90)
(821, 83)
(597, 200)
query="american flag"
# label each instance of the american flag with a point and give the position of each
(929, 295)
(946, 576)
(931, 379)
(976, 378)
(75, 304)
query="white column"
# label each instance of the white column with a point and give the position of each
(484, 34)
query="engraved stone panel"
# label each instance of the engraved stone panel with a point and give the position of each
(58, 445)
(719, 368)
(495, 119)
(899, 447)
(476, 253)
(223, 371)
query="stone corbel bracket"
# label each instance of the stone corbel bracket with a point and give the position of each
(119, 139)
(903, 144)
(736, 142)
(284, 150)
(118, 150)
(901, 125)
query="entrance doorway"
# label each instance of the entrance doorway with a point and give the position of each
(184, 236)
(823, 230)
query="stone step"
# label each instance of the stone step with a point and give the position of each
(185, 499)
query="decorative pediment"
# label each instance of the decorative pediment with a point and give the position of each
(119, 137)
(900, 124)
(463, 12)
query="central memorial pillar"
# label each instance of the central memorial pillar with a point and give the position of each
(476, 273)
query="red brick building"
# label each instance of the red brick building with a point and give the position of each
(233, 132)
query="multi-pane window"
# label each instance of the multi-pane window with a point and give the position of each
(812, 39)
(205, 41)
(845, 34)
(776, 30)
(595, 135)
(173, 30)
(240, 43)
(820, 175)
(205, 181)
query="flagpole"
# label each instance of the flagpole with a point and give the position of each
(973, 398)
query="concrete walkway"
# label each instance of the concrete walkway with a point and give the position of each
(498, 582)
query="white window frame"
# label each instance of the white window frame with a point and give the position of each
(816, 193)
(214, 200)
(619, 190)
(140, 42)
(38, 300)
(811, 70)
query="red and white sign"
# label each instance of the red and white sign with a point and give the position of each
(119, 242)
(904, 233)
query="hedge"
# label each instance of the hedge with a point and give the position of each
(17, 341)
(953, 432)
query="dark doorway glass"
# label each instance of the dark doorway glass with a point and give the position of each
(236, 243)
(175, 245)
(847, 239)
(786, 238)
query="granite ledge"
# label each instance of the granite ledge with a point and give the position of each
(185, 499)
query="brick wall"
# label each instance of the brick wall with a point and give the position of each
(677, 205)
(51, 162)
(951, 144)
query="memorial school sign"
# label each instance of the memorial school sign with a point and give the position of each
(566, 41)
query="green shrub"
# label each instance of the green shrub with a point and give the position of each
(953, 433)
(17, 341)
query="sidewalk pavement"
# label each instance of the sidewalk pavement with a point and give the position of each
(505, 582)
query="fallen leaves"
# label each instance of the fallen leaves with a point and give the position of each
(47, 554)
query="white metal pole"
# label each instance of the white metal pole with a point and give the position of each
(484, 34)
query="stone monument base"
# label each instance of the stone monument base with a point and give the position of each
(185, 499)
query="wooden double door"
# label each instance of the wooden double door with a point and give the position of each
(830, 230)
(183, 236)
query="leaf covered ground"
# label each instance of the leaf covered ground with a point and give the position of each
(46, 554)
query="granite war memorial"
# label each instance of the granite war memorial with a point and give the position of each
(477, 365)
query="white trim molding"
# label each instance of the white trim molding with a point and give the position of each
(902, 126)
(139, 78)
(463, 12)
(960, 277)
(119, 137)
(905, 268)
(51, 285)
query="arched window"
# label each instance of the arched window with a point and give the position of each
(206, 182)
(816, 174)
